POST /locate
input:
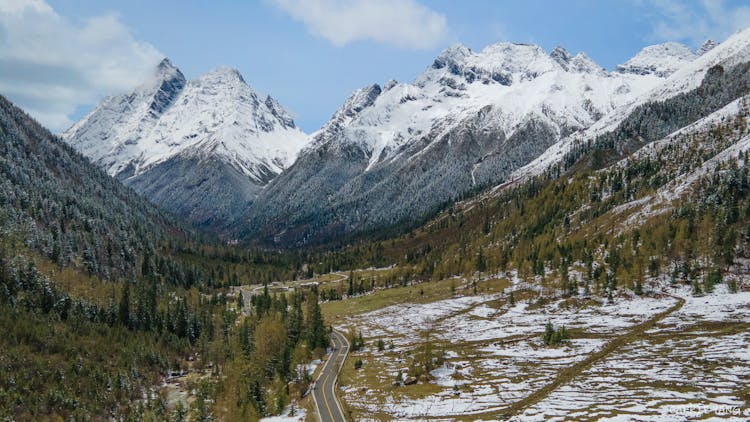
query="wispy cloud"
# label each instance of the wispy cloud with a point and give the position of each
(402, 23)
(694, 22)
(50, 65)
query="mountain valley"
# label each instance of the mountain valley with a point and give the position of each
(517, 234)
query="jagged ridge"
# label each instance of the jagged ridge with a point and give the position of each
(201, 148)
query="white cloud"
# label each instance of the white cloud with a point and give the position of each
(697, 21)
(50, 65)
(403, 23)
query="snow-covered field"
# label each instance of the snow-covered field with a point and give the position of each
(694, 360)
(296, 414)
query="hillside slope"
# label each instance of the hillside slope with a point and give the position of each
(69, 210)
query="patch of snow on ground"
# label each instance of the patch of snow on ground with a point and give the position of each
(300, 414)
(494, 357)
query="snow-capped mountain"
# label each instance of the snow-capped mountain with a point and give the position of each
(394, 153)
(211, 149)
(688, 77)
(200, 148)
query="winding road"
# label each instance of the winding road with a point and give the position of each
(324, 392)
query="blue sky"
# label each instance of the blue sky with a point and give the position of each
(311, 54)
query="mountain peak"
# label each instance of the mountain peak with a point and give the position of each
(707, 46)
(165, 65)
(164, 72)
(358, 101)
(452, 57)
(660, 60)
(512, 62)
(361, 99)
(582, 63)
(503, 63)
(170, 117)
(512, 52)
(185, 145)
(167, 84)
(390, 84)
(223, 73)
(561, 56)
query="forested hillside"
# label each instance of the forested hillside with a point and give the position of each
(102, 295)
(68, 210)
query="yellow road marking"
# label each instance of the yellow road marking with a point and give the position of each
(337, 345)
(325, 398)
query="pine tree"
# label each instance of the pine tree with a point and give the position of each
(240, 301)
(732, 286)
(563, 333)
(317, 335)
(180, 413)
(697, 291)
(481, 264)
(572, 286)
(638, 287)
(123, 311)
(294, 324)
(549, 333)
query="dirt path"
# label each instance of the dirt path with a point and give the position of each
(568, 374)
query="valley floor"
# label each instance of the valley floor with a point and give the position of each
(665, 356)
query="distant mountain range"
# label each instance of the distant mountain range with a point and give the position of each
(211, 151)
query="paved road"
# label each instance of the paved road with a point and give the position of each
(324, 393)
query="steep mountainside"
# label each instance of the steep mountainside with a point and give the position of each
(393, 154)
(200, 148)
(67, 209)
(733, 51)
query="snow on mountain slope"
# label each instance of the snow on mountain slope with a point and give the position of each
(216, 114)
(171, 138)
(724, 149)
(707, 46)
(518, 81)
(391, 154)
(220, 114)
(661, 60)
(733, 51)
(120, 120)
